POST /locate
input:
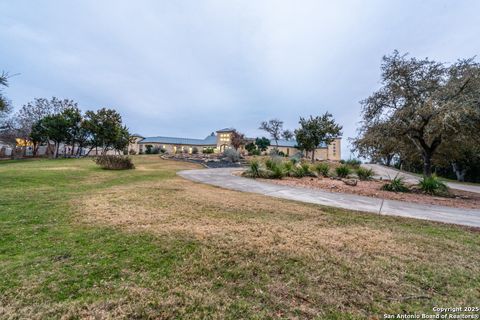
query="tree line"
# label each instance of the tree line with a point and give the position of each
(53, 122)
(425, 117)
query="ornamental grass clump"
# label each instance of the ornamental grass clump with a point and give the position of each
(343, 171)
(396, 185)
(114, 162)
(303, 170)
(276, 172)
(274, 167)
(364, 173)
(289, 168)
(322, 169)
(253, 169)
(432, 185)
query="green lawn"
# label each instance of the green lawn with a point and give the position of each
(80, 242)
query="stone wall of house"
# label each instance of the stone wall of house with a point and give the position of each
(169, 148)
(332, 152)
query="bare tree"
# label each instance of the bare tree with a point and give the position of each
(32, 112)
(274, 128)
(9, 134)
(237, 139)
(287, 135)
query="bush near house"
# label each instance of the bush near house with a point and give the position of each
(288, 168)
(304, 169)
(343, 171)
(322, 169)
(112, 162)
(364, 173)
(232, 155)
(253, 169)
(194, 150)
(208, 150)
(396, 185)
(432, 185)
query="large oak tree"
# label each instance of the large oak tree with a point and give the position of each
(425, 102)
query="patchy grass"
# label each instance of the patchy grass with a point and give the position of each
(86, 243)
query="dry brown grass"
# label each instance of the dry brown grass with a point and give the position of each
(334, 253)
(146, 244)
(229, 218)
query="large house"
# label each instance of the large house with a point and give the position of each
(221, 140)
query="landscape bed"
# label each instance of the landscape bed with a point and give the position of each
(457, 198)
(81, 242)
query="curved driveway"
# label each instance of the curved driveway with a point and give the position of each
(389, 172)
(224, 178)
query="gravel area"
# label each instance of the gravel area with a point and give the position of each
(209, 161)
(458, 199)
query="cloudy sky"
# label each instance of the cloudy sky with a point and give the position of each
(186, 68)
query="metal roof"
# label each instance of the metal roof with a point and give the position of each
(291, 143)
(136, 135)
(226, 130)
(211, 140)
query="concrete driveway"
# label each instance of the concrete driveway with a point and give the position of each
(387, 173)
(224, 178)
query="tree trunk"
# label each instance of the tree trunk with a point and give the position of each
(313, 155)
(388, 160)
(49, 150)
(56, 146)
(88, 153)
(459, 171)
(427, 164)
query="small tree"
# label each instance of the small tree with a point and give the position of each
(250, 147)
(106, 130)
(262, 143)
(38, 135)
(287, 135)
(237, 139)
(55, 128)
(274, 128)
(3, 100)
(74, 133)
(316, 130)
(9, 134)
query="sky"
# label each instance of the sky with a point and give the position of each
(187, 68)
